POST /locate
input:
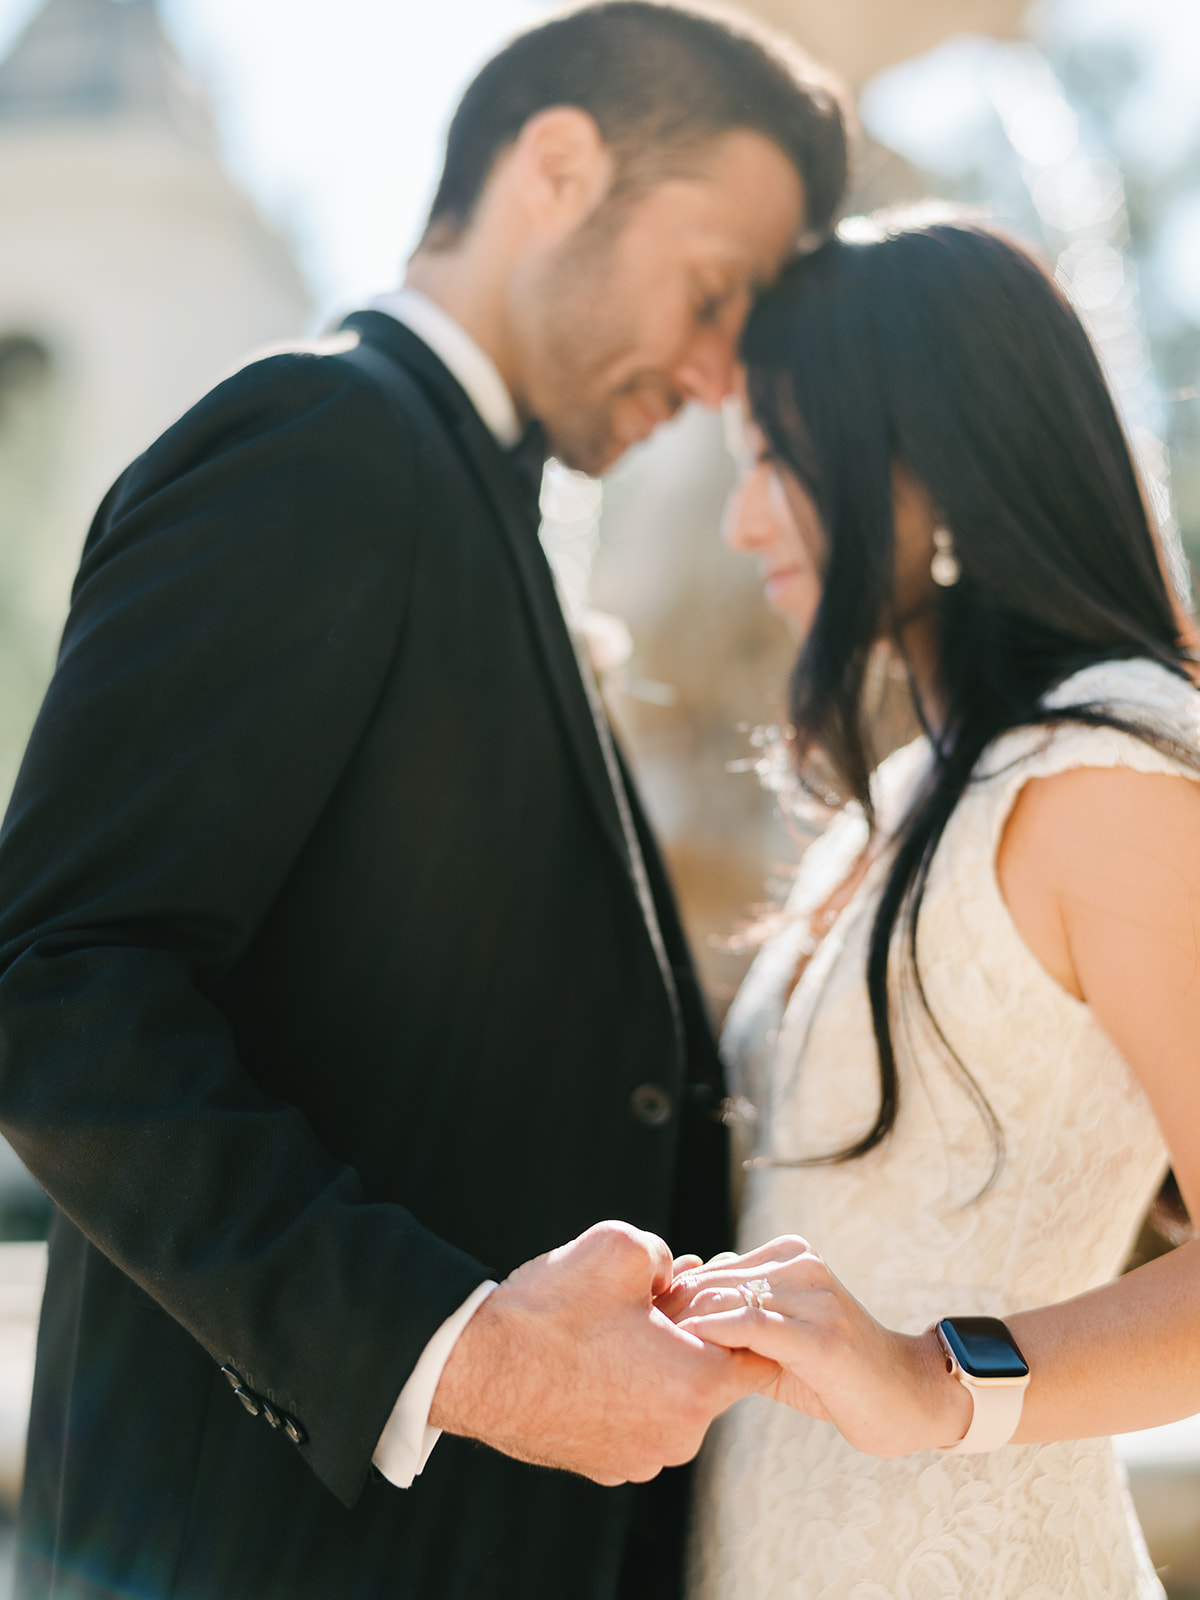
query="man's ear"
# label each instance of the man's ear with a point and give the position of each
(560, 170)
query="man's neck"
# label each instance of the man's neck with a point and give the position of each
(458, 352)
(475, 301)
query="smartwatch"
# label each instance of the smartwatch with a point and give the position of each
(985, 1358)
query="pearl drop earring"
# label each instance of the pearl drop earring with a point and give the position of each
(945, 568)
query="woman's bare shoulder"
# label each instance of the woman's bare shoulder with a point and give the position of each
(1095, 847)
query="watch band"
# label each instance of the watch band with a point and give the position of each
(996, 1408)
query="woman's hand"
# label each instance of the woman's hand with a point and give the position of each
(887, 1393)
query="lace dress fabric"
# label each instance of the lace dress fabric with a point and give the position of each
(785, 1509)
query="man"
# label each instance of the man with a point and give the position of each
(338, 972)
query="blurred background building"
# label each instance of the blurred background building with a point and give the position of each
(183, 182)
(133, 273)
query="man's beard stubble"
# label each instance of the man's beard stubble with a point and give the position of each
(584, 330)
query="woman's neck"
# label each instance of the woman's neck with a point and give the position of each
(918, 641)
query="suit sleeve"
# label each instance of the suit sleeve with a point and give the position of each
(239, 603)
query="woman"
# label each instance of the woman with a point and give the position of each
(975, 1043)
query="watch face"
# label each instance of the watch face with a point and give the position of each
(983, 1347)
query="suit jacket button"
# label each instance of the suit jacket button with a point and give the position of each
(232, 1378)
(271, 1416)
(651, 1104)
(294, 1431)
(248, 1400)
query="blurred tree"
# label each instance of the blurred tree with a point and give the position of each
(1104, 77)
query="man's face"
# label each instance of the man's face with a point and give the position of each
(640, 310)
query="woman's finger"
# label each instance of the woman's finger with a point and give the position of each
(783, 1248)
(786, 1247)
(778, 1256)
(710, 1302)
(674, 1301)
(806, 1272)
(779, 1339)
(758, 1271)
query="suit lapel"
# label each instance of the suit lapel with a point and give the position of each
(501, 488)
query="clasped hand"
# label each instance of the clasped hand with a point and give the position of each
(887, 1393)
(607, 1359)
(570, 1363)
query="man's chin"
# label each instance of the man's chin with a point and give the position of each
(591, 456)
(587, 459)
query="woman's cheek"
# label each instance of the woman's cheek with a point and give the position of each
(795, 596)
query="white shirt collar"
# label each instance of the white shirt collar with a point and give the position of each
(454, 346)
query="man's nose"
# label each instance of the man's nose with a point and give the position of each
(707, 368)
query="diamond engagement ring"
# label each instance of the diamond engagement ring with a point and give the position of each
(753, 1291)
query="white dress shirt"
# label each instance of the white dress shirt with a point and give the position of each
(407, 1440)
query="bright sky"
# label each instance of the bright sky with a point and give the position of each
(332, 112)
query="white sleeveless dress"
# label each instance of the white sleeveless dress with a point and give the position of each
(785, 1509)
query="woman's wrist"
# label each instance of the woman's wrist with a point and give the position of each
(948, 1405)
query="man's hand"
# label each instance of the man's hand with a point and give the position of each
(569, 1364)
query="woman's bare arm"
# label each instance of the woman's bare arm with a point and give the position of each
(1100, 868)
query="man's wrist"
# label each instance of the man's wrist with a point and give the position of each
(408, 1438)
(477, 1394)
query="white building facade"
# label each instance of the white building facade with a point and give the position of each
(133, 275)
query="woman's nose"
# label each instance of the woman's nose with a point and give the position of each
(749, 526)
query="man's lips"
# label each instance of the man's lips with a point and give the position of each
(645, 412)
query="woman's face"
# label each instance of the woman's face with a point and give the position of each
(771, 516)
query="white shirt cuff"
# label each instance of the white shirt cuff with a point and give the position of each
(407, 1440)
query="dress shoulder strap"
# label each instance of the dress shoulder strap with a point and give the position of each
(1139, 691)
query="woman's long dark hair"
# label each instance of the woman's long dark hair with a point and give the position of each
(947, 348)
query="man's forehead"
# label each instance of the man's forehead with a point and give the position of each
(739, 246)
(742, 207)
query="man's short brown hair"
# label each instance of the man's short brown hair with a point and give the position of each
(661, 81)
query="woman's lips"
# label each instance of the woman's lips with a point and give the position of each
(774, 581)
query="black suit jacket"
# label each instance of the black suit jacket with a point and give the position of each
(324, 994)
